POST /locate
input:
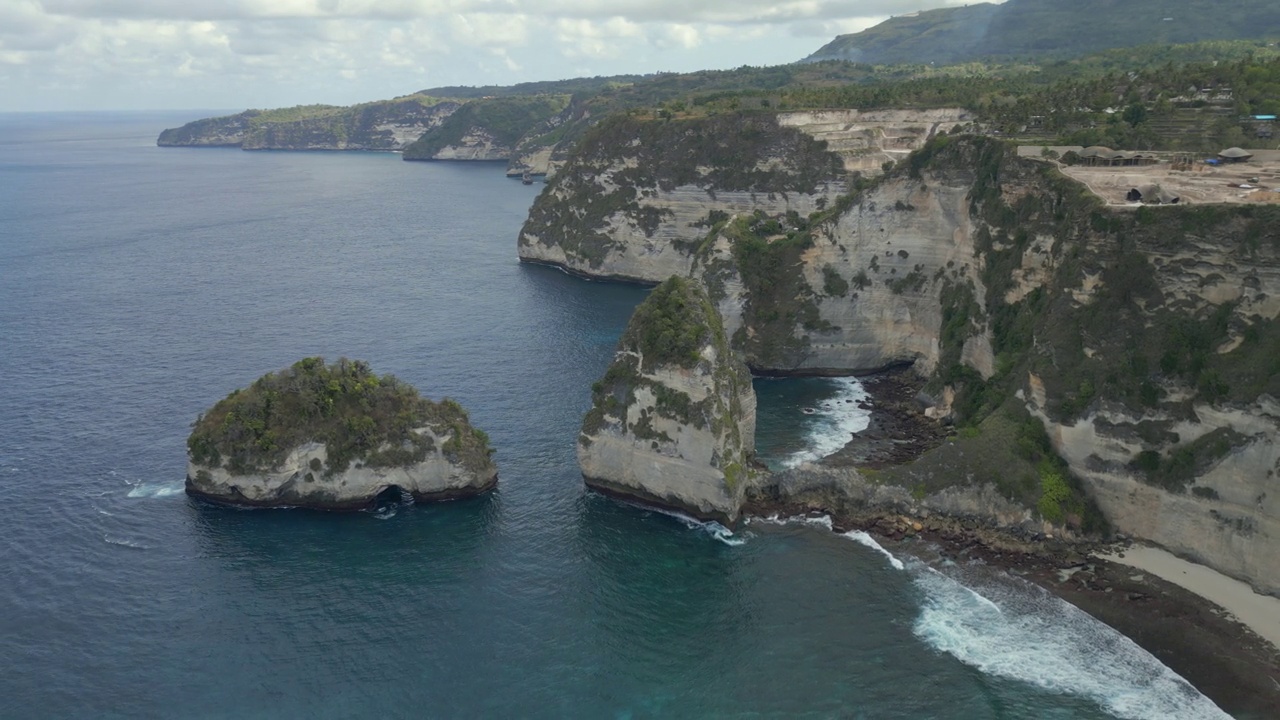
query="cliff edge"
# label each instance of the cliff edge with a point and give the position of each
(1125, 355)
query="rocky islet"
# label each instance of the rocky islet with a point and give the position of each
(335, 437)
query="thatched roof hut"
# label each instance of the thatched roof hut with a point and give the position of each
(1152, 195)
(1235, 154)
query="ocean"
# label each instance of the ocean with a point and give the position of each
(139, 285)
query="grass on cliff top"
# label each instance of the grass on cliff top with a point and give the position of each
(358, 415)
(673, 323)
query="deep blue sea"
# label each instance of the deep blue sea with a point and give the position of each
(138, 285)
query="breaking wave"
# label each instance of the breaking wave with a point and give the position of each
(710, 527)
(125, 542)
(155, 490)
(1010, 628)
(836, 419)
(864, 539)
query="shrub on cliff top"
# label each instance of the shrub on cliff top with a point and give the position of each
(672, 324)
(355, 413)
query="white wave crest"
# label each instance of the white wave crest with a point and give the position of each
(822, 521)
(155, 490)
(837, 419)
(710, 527)
(1016, 630)
(864, 539)
(125, 542)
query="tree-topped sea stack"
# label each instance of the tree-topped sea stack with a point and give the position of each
(334, 437)
(672, 422)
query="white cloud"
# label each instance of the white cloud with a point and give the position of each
(91, 54)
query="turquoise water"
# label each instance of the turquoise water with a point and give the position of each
(138, 285)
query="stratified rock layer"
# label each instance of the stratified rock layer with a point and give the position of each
(672, 422)
(1124, 360)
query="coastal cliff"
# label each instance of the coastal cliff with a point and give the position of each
(385, 125)
(672, 421)
(1126, 356)
(485, 129)
(637, 196)
(334, 437)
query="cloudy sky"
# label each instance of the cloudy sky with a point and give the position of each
(235, 54)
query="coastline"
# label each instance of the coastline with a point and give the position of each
(1222, 657)
(1260, 613)
(1213, 631)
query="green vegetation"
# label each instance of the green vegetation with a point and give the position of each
(505, 119)
(724, 153)
(1139, 342)
(832, 284)
(1010, 451)
(1051, 29)
(670, 330)
(1179, 468)
(780, 302)
(314, 126)
(358, 415)
(673, 324)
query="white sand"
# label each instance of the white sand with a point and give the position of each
(1261, 613)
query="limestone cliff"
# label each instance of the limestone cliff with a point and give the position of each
(1143, 341)
(673, 420)
(854, 289)
(486, 129)
(384, 125)
(866, 139)
(637, 196)
(334, 437)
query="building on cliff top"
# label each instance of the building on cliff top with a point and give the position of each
(1235, 155)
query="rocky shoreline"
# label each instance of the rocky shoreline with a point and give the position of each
(1223, 658)
(898, 431)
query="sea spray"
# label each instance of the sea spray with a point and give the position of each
(1008, 627)
(835, 421)
(825, 522)
(822, 521)
(141, 489)
(710, 527)
(862, 538)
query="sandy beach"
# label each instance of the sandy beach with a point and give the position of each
(1260, 613)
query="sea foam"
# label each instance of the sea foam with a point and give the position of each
(155, 490)
(710, 527)
(864, 539)
(125, 542)
(1010, 628)
(835, 421)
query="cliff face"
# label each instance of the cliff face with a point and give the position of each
(386, 125)
(485, 129)
(672, 422)
(638, 196)
(851, 290)
(1112, 358)
(866, 139)
(334, 437)
(305, 479)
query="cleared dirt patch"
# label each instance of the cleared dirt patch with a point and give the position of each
(1202, 183)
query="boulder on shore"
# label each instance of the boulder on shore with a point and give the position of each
(334, 437)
